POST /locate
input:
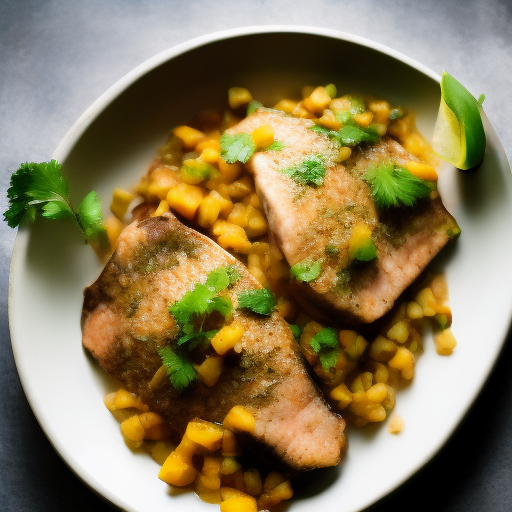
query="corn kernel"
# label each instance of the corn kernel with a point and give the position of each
(205, 494)
(399, 332)
(414, 310)
(185, 199)
(212, 142)
(229, 172)
(114, 227)
(425, 298)
(161, 181)
(382, 349)
(402, 359)
(227, 338)
(415, 145)
(381, 129)
(189, 136)
(381, 111)
(239, 504)
(210, 155)
(238, 96)
(342, 395)
(301, 111)
(364, 119)
(287, 106)
(240, 419)
(231, 236)
(209, 474)
(329, 120)
(377, 393)
(231, 492)
(208, 211)
(420, 170)
(263, 136)
(273, 479)
(132, 429)
(280, 493)
(229, 466)
(121, 200)
(186, 449)
(209, 370)
(398, 129)
(376, 414)
(389, 402)
(241, 188)
(318, 100)
(344, 154)
(252, 482)
(229, 444)
(160, 451)
(176, 471)
(367, 380)
(445, 343)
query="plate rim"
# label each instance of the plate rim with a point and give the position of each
(82, 124)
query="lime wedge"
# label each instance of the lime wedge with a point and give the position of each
(459, 136)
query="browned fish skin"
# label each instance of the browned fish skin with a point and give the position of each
(125, 321)
(305, 219)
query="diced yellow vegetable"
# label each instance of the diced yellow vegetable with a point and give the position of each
(121, 200)
(399, 332)
(160, 451)
(414, 310)
(445, 343)
(163, 207)
(361, 236)
(161, 181)
(187, 448)
(415, 145)
(420, 170)
(210, 155)
(189, 136)
(263, 136)
(381, 111)
(273, 479)
(344, 154)
(231, 236)
(252, 482)
(132, 429)
(342, 395)
(229, 444)
(239, 504)
(402, 359)
(329, 120)
(154, 426)
(209, 474)
(364, 119)
(398, 129)
(229, 466)
(287, 106)
(114, 227)
(425, 298)
(205, 433)
(208, 211)
(185, 199)
(281, 492)
(209, 370)
(125, 399)
(230, 492)
(211, 142)
(396, 424)
(377, 393)
(177, 471)
(382, 349)
(318, 100)
(240, 419)
(205, 494)
(227, 338)
(241, 188)
(238, 96)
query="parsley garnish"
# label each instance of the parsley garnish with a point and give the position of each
(39, 189)
(306, 271)
(325, 344)
(392, 185)
(259, 301)
(179, 368)
(236, 148)
(350, 134)
(311, 171)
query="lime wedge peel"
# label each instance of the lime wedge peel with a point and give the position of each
(459, 136)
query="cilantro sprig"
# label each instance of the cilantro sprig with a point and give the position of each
(325, 344)
(393, 186)
(310, 171)
(190, 314)
(306, 271)
(40, 190)
(350, 134)
(236, 148)
(261, 301)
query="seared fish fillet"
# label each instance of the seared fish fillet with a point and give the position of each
(125, 321)
(304, 220)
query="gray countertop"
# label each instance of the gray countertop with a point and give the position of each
(57, 57)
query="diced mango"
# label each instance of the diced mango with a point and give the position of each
(160, 451)
(209, 370)
(227, 338)
(240, 419)
(187, 448)
(132, 429)
(205, 433)
(189, 136)
(125, 400)
(238, 96)
(121, 200)
(176, 471)
(420, 170)
(318, 100)
(231, 236)
(185, 199)
(154, 426)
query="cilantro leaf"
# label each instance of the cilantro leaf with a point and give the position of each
(296, 330)
(222, 277)
(253, 106)
(196, 339)
(353, 134)
(91, 220)
(326, 338)
(309, 172)
(306, 271)
(277, 145)
(179, 369)
(259, 301)
(236, 148)
(40, 189)
(392, 185)
(329, 359)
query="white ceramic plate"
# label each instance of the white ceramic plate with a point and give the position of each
(112, 144)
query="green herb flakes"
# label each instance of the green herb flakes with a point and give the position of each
(393, 186)
(325, 344)
(253, 106)
(236, 148)
(306, 271)
(259, 301)
(311, 171)
(277, 145)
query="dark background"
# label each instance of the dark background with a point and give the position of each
(57, 57)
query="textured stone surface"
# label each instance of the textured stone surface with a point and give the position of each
(58, 56)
